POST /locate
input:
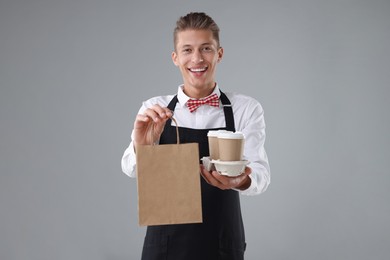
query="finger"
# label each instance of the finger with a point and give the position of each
(205, 174)
(248, 170)
(224, 180)
(219, 180)
(163, 112)
(141, 122)
(169, 112)
(202, 169)
(229, 182)
(142, 118)
(211, 180)
(150, 112)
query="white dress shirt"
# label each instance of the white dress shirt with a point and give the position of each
(248, 119)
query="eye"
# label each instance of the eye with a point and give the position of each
(186, 50)
(207, 49)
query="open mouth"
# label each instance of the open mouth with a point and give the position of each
(198, 70)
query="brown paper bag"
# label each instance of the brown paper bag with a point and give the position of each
(168, 184)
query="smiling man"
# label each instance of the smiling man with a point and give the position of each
(197, 52)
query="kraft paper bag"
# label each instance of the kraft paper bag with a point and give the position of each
(168, 183)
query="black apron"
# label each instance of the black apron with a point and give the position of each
(221, 235)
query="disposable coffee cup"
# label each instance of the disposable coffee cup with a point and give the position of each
(213, 143)
(231, 146)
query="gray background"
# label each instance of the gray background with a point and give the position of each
(74, 73)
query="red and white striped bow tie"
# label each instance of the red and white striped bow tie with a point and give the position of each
(212, 100)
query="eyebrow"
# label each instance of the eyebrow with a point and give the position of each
(189, 45)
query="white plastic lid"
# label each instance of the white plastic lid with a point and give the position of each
(231, 135)
(216, 133)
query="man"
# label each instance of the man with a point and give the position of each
(197, 52)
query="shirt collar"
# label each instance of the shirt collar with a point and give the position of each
(183, 98)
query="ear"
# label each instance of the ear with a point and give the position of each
(220, 54)
(174, 58)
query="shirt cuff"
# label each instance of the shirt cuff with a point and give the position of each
(129, 161)
(250, 190)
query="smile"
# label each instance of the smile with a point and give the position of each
(198, 69)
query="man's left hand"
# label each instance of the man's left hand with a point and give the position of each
(241, 182)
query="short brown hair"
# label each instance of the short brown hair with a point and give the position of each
(196, 21)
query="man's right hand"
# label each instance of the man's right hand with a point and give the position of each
(149, 125)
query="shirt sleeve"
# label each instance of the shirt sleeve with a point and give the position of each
(128, 161)
(253, 127)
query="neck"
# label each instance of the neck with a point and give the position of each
(198, 92)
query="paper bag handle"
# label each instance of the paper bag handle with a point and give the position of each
(177, 132)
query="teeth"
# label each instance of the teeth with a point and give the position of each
(198, 70)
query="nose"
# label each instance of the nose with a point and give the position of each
(197, 57)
